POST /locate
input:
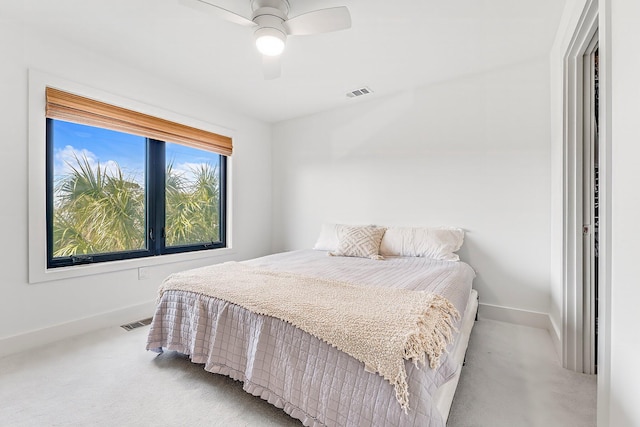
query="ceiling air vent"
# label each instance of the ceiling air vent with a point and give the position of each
(359, 92)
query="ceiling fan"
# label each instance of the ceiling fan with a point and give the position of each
(272, 25)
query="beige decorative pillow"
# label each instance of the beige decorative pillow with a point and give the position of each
(359, 241)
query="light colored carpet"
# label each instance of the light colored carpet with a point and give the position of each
(512, 378)
(107, 379)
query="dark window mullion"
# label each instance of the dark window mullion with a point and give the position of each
(50, 192)
(222, 200)
(155, 196)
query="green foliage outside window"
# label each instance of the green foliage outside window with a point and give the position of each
(100, 210)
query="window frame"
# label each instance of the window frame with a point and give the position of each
(38, 272)
(156, 184)
(155, 209)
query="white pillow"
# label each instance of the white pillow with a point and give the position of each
(435, 243)
(328, 239)
(359, 241)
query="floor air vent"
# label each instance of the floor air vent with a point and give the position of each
(134, 325)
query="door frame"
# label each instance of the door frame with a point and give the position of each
(573, 309)
(589, 147)
(596, 14)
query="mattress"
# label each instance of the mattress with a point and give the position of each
(443, 397)
(311, 380)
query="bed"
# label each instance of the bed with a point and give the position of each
(308, 378)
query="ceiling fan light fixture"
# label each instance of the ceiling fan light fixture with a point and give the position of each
(272, 25)
(270, 41)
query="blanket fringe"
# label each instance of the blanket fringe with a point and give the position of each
(434, 331)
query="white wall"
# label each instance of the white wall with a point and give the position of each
(472, 152)
(27, 310)
(624, 33)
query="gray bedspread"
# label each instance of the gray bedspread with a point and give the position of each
(293, 370)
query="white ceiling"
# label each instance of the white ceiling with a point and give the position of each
(392, 46)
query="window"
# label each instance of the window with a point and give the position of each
(116, 190)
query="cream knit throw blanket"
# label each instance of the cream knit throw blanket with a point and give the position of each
(380, 327)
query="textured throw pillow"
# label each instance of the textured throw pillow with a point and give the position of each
(363, 242)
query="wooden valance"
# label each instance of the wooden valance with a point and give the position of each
(69, 107)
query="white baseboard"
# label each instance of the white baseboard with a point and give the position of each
(48, 335)
(33, 339)
(534, 319)
(554, 331)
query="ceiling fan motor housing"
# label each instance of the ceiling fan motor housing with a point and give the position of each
(282, 5)
(269, 17)
(269, 14)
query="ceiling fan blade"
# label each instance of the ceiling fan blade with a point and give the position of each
(271, 67)
(212, 9)
(319, 21)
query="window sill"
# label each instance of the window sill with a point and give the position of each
(51, 274)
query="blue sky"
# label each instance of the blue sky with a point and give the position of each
(109, 148)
